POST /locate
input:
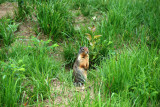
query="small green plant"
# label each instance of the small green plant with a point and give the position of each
(98, 48)
(93, 39)
(7, 29)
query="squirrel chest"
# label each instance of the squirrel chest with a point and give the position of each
(83, 61)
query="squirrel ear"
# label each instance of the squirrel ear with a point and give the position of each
(81, 47)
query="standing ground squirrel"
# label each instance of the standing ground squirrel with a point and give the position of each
(80, 66)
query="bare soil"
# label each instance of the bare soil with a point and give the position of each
(7, 8)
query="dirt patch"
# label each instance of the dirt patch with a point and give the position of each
(25, 30)
(7, 8)
(82, 21)
(79, 19)
(63, 94)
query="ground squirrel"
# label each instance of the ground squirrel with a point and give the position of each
(80, 66)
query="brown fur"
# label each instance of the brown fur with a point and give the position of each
(84, 63)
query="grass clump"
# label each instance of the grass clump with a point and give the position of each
(12, 75)
(7, 29)
(54, 18)
(24, 9)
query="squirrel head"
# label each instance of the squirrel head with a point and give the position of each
(83, 50)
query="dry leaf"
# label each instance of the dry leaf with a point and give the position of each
(97, 36)
(25, 104)
(89, 28)
(91, 44)
(89, 37)
(93, 28)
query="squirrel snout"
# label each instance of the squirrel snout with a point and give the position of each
(86, 52)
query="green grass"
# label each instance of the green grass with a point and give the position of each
(54, 19)
(21, 70)
(133, 75)
(23, 10)
(7, 29)
(132, 20)
(89, 7)
(124, 61)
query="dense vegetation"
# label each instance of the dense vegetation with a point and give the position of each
(123, 37)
